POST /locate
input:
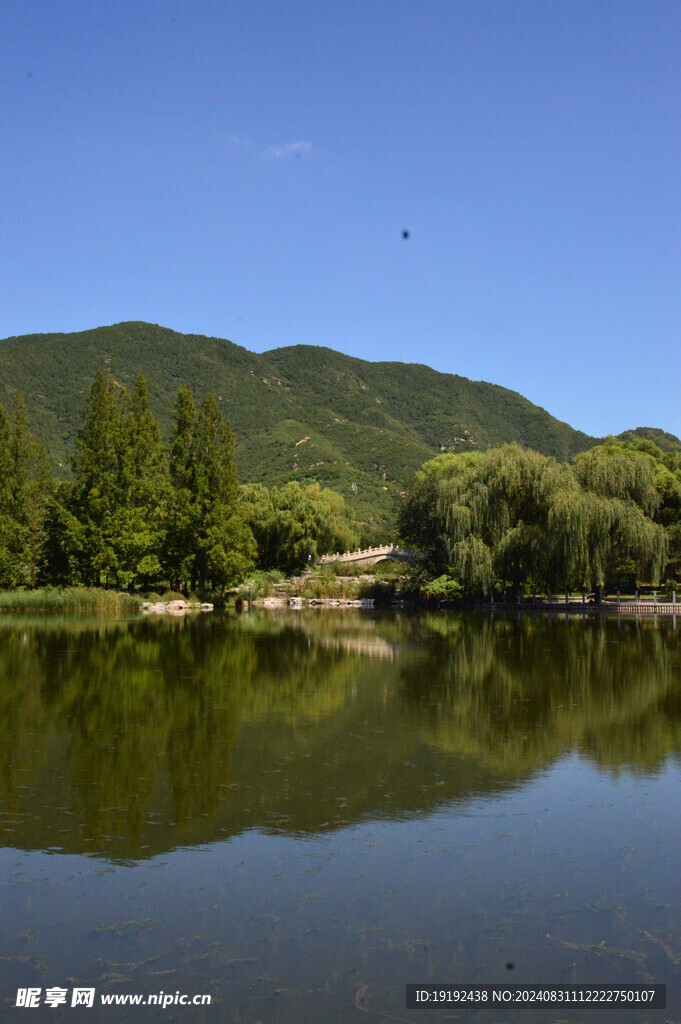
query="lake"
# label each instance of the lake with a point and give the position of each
(300, 813)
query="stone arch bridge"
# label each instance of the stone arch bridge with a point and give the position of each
(369, 556)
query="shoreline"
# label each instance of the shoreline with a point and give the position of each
(667, 609)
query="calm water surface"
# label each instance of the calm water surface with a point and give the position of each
(300, 813)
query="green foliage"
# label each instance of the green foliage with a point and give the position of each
(369, 424)
(260, 583)
(444, 588)
(208, 536)
(98, 492)
(659, 438)
(326, 442)
(146, 488)
(134, 514)
(516, 516)
(616, 470)
(25, 496)
(7, 529)
(294, 525)
(71, 599)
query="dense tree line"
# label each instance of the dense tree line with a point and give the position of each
(510, 517)
(139, 514)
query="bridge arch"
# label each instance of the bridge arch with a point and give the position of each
(372, 555)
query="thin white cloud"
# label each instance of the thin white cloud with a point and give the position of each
(240, 141)
(297, 149)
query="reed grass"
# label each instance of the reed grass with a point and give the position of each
(72, 599)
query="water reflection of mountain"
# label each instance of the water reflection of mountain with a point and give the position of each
(125, 740)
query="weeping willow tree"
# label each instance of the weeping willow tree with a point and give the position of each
(512, 493)
(430, 516)
(511, 517)
(600, 541)
(495, 518)
(615, 470)
(483, 517)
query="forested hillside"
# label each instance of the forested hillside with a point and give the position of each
(303, 412)
(664, 441)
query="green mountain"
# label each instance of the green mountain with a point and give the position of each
(664, 441)
(301, 412)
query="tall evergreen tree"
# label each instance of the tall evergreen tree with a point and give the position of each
(208, 538)
(32, 493)
(98, 488)
(7, 529)
(180, 541)
(224, 543)
(64, 542)
(145, 491)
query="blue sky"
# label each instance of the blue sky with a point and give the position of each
(246, 170)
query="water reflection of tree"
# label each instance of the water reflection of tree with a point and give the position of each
(519, 693)
(134, 726)
(125, 719)
(130, 739)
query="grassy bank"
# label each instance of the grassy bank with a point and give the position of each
(69, 599)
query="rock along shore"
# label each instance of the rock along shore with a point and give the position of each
(174, 607)
(315, 602)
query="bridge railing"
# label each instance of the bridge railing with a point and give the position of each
(372, 552)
